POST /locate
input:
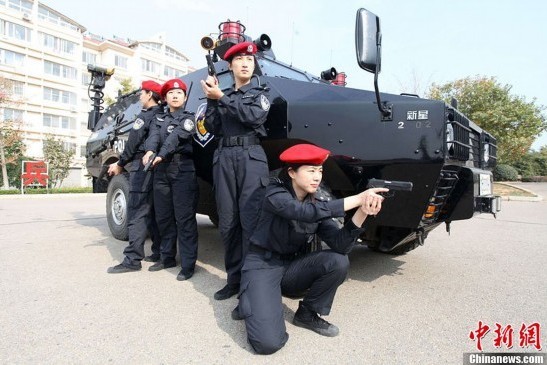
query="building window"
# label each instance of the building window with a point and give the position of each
(58, 121)
(156, 47)
(120, 61)
(21, 5)
(89, 58)
(59, 70)
(11, 58)
(58, 45)
(172, 72)
(59, 96)
(69, 146)
(15, 31)
(149, 66)
(171, 53)
(45, 14)
(17, 87)
(12, 114)
(86, 79)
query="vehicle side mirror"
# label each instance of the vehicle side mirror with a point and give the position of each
(368, 41)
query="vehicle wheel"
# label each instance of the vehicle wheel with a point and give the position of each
(117, 198)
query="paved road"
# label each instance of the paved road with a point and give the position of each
(58, 304)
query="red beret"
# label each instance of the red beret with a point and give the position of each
(151, 86)
(304, 154)
(245, 48)
(172, 84)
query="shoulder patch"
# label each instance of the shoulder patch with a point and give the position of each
(188, 125)
(264, 102)
(138, 124)
(170, 128)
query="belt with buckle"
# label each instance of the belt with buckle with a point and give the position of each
(240, 141)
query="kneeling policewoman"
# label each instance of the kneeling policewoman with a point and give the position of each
(277, 264)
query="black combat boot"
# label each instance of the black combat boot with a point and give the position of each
(228, 291)
(155, 257)
(185, 274)
(235, 314)
(306, 318)
(121, 268)
(162, 265)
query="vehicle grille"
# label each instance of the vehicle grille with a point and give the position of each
(458, 143)
(466, 144)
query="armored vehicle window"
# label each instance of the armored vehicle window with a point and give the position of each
(129, 108)
(274, 69)
(131, 112)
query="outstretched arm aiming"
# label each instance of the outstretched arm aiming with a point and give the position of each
(370, 204)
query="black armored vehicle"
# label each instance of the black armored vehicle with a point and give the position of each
(373, 136)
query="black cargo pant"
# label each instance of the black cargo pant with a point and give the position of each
(240, 175)
(175, 200)
(265, 279)
(141, 220)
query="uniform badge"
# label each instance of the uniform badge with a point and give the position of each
(170, 128)
(250, 48)
(138, 124)
(176, 85)
(202, 136)
(188, 125)
(264, 102)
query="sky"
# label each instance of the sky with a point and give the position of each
(423, 41)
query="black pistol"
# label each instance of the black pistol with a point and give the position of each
(392, 185)
(149, 163)
(210, 65)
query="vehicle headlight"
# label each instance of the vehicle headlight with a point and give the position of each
(449, 137)
(486, 152)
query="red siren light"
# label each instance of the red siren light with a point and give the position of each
(340, 79)
(233, 31)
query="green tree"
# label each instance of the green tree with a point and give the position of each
(11, 136)
(514, 122)
(12, 149)
(126, 87)
(532, 164)
(58, 159)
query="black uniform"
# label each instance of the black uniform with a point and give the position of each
(275, 264)
(239, 163)
(140, 208)
(175, 187)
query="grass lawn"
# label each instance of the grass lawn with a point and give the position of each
(504, 190)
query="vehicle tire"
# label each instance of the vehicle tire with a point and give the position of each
(117, 197)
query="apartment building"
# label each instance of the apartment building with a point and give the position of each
(45, 55)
